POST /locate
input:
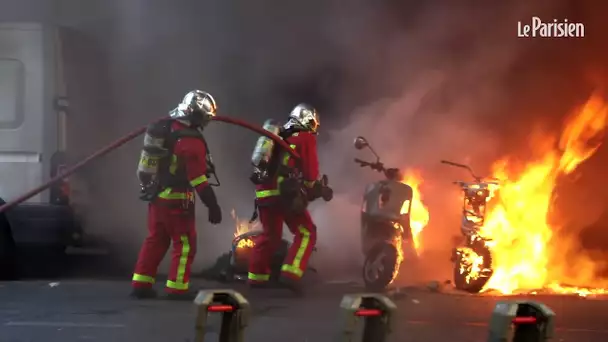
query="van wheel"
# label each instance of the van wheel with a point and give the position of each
(8, 249)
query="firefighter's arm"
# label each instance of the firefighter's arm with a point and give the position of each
(317, 185)
(194, 154)
(310, 159)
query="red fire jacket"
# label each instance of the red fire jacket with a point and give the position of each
(305, 144)
(189, 160)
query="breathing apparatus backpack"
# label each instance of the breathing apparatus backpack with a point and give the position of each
(262, 159)
(267, 164)
(155, 159)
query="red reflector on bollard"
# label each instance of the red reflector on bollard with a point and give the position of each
(220, 308)
(368, 312)
(524, 320)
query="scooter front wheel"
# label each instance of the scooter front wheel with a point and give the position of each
(472, 268)
(380, 266)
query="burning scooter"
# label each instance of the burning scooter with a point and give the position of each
(473, 260)
(385, 223)
(233, 265)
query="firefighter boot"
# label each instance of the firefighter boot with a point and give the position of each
(185, 296)
(292, 285)
(143, 293)
(258, 286)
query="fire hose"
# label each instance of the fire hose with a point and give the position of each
(125, 139)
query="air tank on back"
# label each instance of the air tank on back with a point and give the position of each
(151, 154)
(262, 154)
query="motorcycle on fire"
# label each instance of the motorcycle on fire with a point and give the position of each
(385, 223)
(239, 254)
(473, 259)
(234, 264)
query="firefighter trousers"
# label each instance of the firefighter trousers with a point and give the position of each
(305, 239)
(167, 225)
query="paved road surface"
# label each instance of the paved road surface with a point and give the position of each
(95, 310)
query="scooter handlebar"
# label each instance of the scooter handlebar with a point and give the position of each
(361, 162)
(453, 164)
(378, 166)
(484, 184)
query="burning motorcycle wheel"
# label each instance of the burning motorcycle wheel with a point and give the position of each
(472, 268)
(380, 266)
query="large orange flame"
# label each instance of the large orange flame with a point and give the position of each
(243, 226)
(419, 215)
(419, 218)
(527, 255)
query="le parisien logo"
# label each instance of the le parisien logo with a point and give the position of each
(537, 28)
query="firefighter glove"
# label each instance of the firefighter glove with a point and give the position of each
(321, 189)
(327, 193)
(208, 198)
(215, 214)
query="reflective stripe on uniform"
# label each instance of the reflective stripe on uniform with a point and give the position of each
(168, 192)
(173, 165)
(170, 195)
(309, 184)
(294, 268)
(198, 181)
(266, 193)
(275, 192)
(287, 155)
(179, 284)
(258, 277)
(140, 278)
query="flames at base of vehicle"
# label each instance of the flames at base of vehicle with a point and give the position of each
(242, 247)
(245, 243)
(472, 264)
(398, 243)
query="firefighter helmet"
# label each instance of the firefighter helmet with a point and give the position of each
(305, 117)
(197, 107)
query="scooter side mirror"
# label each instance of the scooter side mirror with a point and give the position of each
(360, 143)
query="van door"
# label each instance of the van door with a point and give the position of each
(27, 136)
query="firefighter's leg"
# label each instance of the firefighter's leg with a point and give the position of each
(266, 245)
(152, 251)
(305, 239)
(183, 233)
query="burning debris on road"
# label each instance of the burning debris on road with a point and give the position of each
(243, 226)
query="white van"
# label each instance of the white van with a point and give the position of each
(40, 68)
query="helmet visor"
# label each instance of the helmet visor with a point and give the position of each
(206, 105)
(314, 125)
(313, 121)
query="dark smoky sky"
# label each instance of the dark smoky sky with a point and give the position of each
(422, 80)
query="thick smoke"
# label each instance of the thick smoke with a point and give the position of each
(159, 51)
(429, 84)
(454, 70)
(421, 82)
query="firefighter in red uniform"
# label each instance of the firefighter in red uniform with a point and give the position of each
(283, 198)
(171, 209)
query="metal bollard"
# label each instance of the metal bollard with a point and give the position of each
(521, 321)
(233, 307)
(375, 311)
